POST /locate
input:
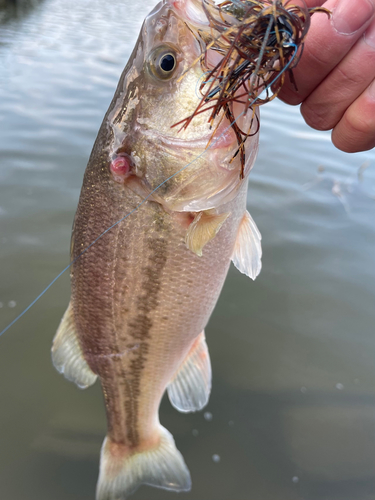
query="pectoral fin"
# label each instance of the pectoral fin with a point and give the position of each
(190, 388)
(247, 252)
(67, 355)
(203, 229)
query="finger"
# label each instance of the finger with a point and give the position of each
(356, 130)
(327, 43)
(325, 107)
(314, 3)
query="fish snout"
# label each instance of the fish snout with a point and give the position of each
(192, 12)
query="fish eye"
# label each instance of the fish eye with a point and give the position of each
(162, 62)
(167, 63)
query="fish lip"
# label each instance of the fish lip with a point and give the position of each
(223, 138)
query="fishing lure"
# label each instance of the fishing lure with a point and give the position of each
(259, 43)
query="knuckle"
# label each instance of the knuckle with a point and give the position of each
(317, 117)
(355, 132)
(343, 143)
(320, 57)
(350, 78)
(361, 124)
(289, 96)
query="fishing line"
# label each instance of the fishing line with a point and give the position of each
(144, 200)
(199, 96)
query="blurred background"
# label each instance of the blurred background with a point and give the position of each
(292, 411)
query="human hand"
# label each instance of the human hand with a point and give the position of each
(336, 74)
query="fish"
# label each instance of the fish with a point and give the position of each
(166, 209)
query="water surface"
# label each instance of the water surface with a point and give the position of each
(292, 411)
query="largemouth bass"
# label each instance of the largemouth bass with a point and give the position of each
(143, 293)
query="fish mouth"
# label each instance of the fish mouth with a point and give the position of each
(222, 138)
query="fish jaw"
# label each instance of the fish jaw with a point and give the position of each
(202, 174)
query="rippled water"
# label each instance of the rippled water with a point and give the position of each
(292, 412)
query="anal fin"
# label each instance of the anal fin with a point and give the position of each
(247, 254)
(190, 388)
(67, 355)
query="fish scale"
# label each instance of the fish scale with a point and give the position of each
(164, 312)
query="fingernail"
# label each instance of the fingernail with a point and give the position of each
(371, 91)
(350, 16)
(370, 35)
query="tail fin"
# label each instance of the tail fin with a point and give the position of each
(122, 473)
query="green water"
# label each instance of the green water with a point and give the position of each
(293, 400)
